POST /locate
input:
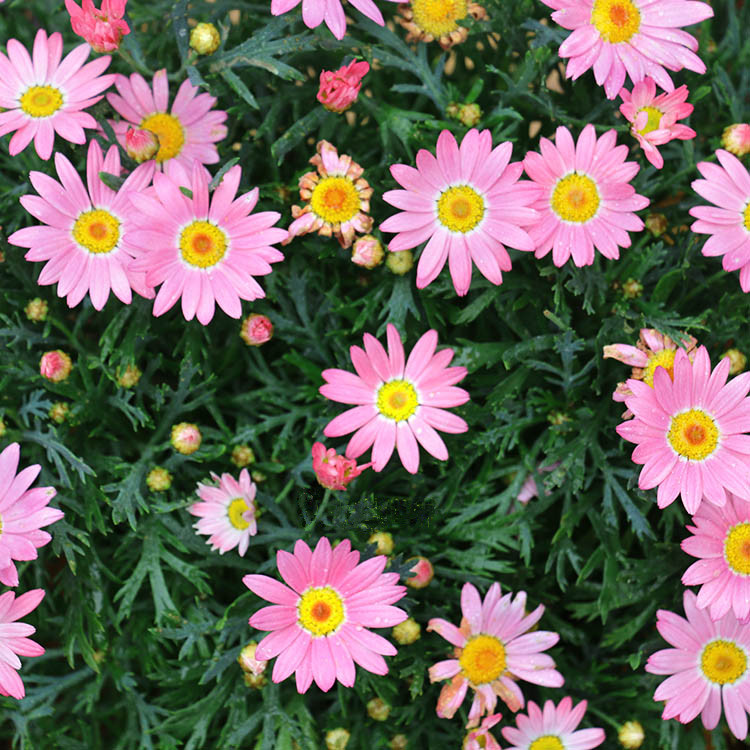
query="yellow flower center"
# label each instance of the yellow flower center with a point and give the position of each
(483, 659)
(723, 662)
(41, 101)
(737, 548)
(654, 118)
(693, 434)
(97, 231)
(397, 400)
(616, 20)
(168, 129)
(335, 200)
(746, 217)
(236, 508)
(202, 244)
(547, 742)
(663, 358)
(1, 525)
(460, 208)
(438, 17)
(321, 610)
(575, 198)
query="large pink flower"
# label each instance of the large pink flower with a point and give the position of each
(690, 432)
(586, 200)
(315, 12)
(85, 236)
(320, 620)
(492, 651)
(467, 204)
(635, 37)
(728, 187)
(44, 96)
(397, 404)
(13, 640)
(203, 250)
(709, 666)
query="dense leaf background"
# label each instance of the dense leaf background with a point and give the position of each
(142, 622)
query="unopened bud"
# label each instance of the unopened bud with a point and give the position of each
(407, 632)
(129, 377)
(423, 573)
(55, 365)
(242, 455)
(337, 739)
(186, 438)
(631, 735)
(159, 479)
(656, 224)
(256, 329)
(205, 39)
(383, 541)
(378, 709)
(470, 114)
(367, 252)
(632, 289)
(141, 145)
(36, 310)
(398, 742)
(59, 412)
(736, 139)
(400, 262)
(738, 360)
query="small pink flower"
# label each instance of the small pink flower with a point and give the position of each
(55, 366)
(334, 471)
(423, 573)
(367, 252)
(315, 12)
(256, 329)
(529, 488)
(481, 739)
(339, 89)
(654, 118)
(102, 29)
(13, 639)
(141, 145)
(736, 139)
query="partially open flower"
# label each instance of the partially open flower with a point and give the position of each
(367, 252)
(339, 89)
(333, 471)
(430, 20)
(55, 366)
(101, 28)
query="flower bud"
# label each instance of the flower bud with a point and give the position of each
(205, 39)
(339, 89)
(398, 742)
(407, 632)
(657, 224)
(159, 479)
(423, 573)
(59, 412)
(470, 114)
(36, 310)
(129, 377)
(3, 428)
(258, 477)
(337, 739)
(738, 360)
(186, 438)
(383, 541)
(102, 29)
(141, 145)
(736, 139)
(631, 735)
(632, 289)
(378, 709)
(367, 252)
(55, 366)
(249, 663)
(400, 262)
(242, 455)
(256, 329)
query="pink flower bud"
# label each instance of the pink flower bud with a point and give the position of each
(55, 366)
(186, 438)
(339, 89)
(141, 145)
(423, 573)
(102, 29)
(249, 663)
(736, 138)
(256, 329)
(333, 471)
(367, 252)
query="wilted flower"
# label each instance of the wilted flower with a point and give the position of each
(55, 366)
(256, 329)
(333, 471)
(141, 145)
(339, 89)
(102, 29)
(481, 739)
(205, 39)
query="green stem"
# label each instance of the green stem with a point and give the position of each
(322, 507)
(130, 60)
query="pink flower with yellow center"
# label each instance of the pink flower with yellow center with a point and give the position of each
(654, 118)
(339, 89)
(321, 618)
(398, 403)
(492, 651)
(13, 640)
(467, 204)
(586, 201)
(204, 250)
(333, 471)
(637, 38)
(43, 96)
(690, 432)
(101, 28)
(85, 238)
(187, 132)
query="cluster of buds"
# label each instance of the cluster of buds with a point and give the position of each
(256, 329)
(55, 366)
(102, 28)
(186, 438)
(334, 472)
(339, 89)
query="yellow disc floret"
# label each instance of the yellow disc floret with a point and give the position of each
(547, 742)
(202, 244)
(460, 208)
(737, 548)
(482, 659)
(41, 101)
(746, 217)
(235, 510)
(97, 231)
(397, 400)
(654, 118)
(723, 662)
(663, 358)
(438, 17)
(168, 129)
(616, 20)
(575, 198)
(335, 200)
(693, 434)
(321, 610)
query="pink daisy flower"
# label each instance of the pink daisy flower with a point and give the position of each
(481, 739)
(187, 132)
(13, 640)
(728, 187)
(320, 620)
(315, 12)
(467, 203)
(492, 651)
(635, 37)
(203, 250)
(690, 432)
(552, 728)
(585, 201)
(708, 667)
(397, 405)
(721, 538)
(43, 96)
(654, 118)
(85, 236)
(227, 512)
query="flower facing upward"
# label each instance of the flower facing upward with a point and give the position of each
(227, 512)
(44, 96)
(203, 250)
(552, 728)
(187, 132)
(708, 667)
(320, 619)
(481, 739)
(690, 432)
(586, 201)
(339, 89)
(736, 139)
(428, 20)
(86, 232)
(467, 204)
(727, 186)
(23, 512)
(333, 471)
(397, 404)
(629, 37)
(336, 197)
(654, 118)
(492, 652)
(102, 29)
(13, 640)
(55, 365)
